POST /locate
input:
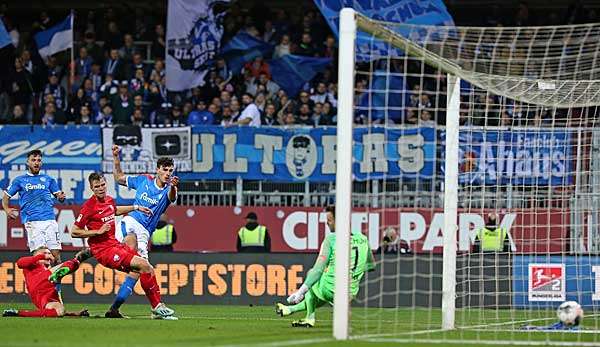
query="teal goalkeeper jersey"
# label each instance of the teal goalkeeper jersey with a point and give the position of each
(360, 261)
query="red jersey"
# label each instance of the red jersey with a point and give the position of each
(36, 275)
(93, 215)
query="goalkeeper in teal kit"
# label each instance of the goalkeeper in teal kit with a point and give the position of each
(319, 286)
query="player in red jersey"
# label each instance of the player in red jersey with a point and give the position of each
(40, 279)
(96, 221)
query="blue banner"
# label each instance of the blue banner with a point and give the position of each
(520, 157)
(69, 154)
(547, 281)
(243, 48)
(308, 154)
(64, 147)
(422, 12)
(290, 72)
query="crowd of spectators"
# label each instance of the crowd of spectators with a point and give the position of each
(117, 82)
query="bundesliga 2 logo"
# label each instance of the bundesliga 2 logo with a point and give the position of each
(546, 282)
(202, 43)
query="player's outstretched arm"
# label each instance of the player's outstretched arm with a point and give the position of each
(80, 233)
(118, 174)
(313, 274)
(28, 262)
(121, 210)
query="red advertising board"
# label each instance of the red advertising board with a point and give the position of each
(298, 229)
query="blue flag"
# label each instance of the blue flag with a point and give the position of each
(290, 72)
(56, 39)
(386, 98)
(5, 38)
(420, 12)
(242, 48)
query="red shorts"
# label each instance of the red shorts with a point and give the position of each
(41, 298)
(118, 256)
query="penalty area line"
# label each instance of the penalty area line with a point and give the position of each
(281, 344)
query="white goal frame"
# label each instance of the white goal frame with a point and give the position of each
(343, 196)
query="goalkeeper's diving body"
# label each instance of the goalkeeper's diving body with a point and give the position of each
(319, 286)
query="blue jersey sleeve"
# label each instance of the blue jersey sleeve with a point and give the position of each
(134, 181)
(53, 185)
(14, 187)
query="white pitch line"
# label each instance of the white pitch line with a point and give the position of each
(542, 331)
(490, 342)
(281, 344)
(472, 327)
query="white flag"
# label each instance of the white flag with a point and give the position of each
(194, 31)
(56, 39)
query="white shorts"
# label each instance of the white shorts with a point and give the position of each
(42, 233)
(130, 226)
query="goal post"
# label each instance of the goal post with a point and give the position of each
(348, 31)
(450, 204)
(343, 178)
(457, 130)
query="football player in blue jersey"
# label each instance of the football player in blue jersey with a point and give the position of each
(36, 200)
(156, 193)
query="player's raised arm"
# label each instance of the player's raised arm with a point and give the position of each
(121, 210)
(118, 174)
(313, 274)
(173, 190)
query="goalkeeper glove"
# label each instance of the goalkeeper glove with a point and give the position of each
(298, 295)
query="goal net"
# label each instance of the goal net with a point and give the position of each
(479, 163)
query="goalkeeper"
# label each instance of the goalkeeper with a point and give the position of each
(319, 286)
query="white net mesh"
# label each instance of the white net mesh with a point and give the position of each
(528, 139)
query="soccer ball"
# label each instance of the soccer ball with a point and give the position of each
(570, 313)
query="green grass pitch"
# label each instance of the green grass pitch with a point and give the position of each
(201, 325)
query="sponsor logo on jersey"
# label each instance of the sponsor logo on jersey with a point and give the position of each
(546, 282)
(116, 257)
(148, 199)
(108, 218)
(30, 186)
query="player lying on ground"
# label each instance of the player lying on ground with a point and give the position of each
(36, 199)
(96, 221)
(40, 279)
(155, 193)
(318, 288)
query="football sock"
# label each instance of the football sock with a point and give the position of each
(151, 288)
(47, 312)
(301, 306)
(312, 303)
(72, 264)
(124, 292)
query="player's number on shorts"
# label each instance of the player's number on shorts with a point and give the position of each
(355, 250)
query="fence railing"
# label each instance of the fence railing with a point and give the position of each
(373, 194)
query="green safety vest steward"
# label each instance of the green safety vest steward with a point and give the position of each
(163, 236)
(492, 240)
(252, 238)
